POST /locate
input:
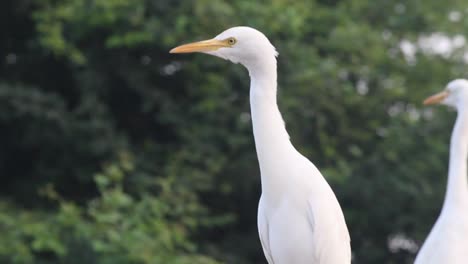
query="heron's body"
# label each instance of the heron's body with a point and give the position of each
(299, 218)
(448, 239)
(447, 242)
(290, 232)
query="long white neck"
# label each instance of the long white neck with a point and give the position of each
(457, 187)
(271, 138)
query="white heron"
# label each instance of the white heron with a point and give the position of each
(448, 239)
(299, 218)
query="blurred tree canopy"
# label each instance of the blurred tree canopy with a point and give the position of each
(114, 151)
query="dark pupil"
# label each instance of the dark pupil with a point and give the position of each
(231, 41)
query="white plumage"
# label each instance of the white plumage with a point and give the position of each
(299, 218)
(447, 242)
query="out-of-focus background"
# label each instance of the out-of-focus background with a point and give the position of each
(114, 151)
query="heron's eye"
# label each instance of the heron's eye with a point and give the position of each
(231, 41)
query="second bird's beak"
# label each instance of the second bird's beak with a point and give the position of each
(201, 46)
(436, 98)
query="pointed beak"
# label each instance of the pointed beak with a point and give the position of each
(201, 46)
(436, 98)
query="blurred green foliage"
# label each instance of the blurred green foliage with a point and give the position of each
(113, 227)
(114, 151)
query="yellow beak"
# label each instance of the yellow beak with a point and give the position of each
(436, 98)
(201, 46)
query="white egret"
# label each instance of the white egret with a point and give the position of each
(299, 218)
(448, 239)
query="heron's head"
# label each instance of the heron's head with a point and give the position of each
(454, 95)
(243, 45)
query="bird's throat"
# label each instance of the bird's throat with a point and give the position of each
(271, 138)
(457, 187)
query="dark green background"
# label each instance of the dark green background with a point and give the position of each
(114, 151)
